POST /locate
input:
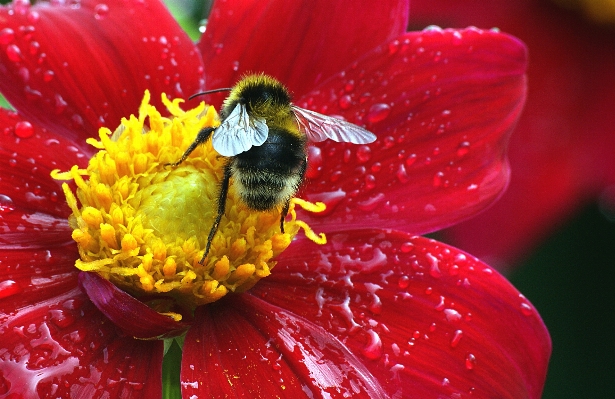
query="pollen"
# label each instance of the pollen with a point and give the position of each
(143, 224)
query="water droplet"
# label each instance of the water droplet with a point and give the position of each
(60, 104)
(433, 28)
(434, 269)
(349, 86)
(33, 17)
(457, 38)
(7, 35)
(401, 174)
(34, 47)
(452, 315)
(24, 129)
(437, 179)
(393, 47)
(470, 361)
(364, 153)
(61, 318)
(407, 247)
(403, 282)
(24, 74)
(373, 350)
(345, 101)
(48, 76)
(235, 66)
(371, 203)
(410, 160)
(101, 10)
(456, 338)
(6, 204)
(314, 166)
(370, 182)
(526, 309)
(14, 53)
(463, 148)
(440, 306)
(378, 112)
(8, 288)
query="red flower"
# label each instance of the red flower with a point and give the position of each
(562, 150)
(375, 312)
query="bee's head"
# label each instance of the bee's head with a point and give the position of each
(261, 94)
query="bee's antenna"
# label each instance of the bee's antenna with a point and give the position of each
(209, 92)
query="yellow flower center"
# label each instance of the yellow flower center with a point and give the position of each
(143, 224)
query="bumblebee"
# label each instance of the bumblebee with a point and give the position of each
(264, 137)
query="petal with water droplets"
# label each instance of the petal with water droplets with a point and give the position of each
(300, 43)
(25, 167)
(443, 104)
(426, 319)
(64, 347)
(253, 349)
(109, 54)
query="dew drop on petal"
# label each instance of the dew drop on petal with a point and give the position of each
(456, 338)
(101, 11)
(407, 247)
(526, 309)
(370, 182)
(48, 76)
(34, 47)
(24, 129)
(371, 203)
(403, 282)
(470, 361)
(345, 101)
(410, 160)
(6, 204)
(314, 166)
(393, 47)
(378, 112)
(349, 86)
(463, 148)
(364, 153)
(13, 53)
(373, 349)
(401, 174)
(452, 315)
(8, 287)
(33, 17)
(7, 35)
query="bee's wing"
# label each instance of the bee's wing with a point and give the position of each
(319, 127)
(238, 133)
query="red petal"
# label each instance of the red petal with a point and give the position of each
(426, 319)
(443, 104)
(64, 347)
(76, 68)
(248, 348)
(561, 153)
(132, 316)
(300, 42)
(28, 154)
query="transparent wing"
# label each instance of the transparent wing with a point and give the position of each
(238, 133)
(319, 127)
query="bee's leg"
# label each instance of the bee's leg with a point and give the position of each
(202, 137)
(283, 215)
(221, 209)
